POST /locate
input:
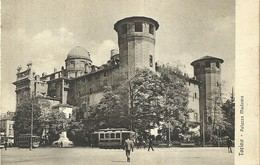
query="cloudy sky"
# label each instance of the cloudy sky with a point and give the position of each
(44, 31)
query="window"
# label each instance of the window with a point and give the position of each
(117, 135)
(101, 136)
(217, 64)
(151, 61)
(72, 64)
(138, 27)
(82, 64)
(195, 95)
(151, 29)
(107, 135)
(112, 135)
(207, 64)
(90, 91)
(124, 29)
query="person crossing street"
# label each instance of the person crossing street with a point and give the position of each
(129, 146)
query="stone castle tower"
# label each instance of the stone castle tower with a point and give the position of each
(136, 41)
(208, 71)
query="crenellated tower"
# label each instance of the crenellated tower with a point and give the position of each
(136, 41)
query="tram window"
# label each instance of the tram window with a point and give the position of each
(101, 136)
(112, 135)
(117, 135)
(107, 135)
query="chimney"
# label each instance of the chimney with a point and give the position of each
(114, 52)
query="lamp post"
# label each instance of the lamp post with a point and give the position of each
(169, 134)
(31, 145)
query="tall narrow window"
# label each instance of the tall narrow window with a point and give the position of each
(124, 29)
(151, 29)
(72, 64)
(138, 27)
(151, 61)
(195, 95)
(90, 91)
(217, 64)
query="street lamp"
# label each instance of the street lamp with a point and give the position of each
(31, 145)
(169, 135)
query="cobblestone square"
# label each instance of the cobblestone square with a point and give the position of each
(95, 156)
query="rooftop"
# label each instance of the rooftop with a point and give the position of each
(136, 18)
(207, 58)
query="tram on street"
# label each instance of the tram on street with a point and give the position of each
(111, 137)
(24, 141)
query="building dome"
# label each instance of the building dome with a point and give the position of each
(78, 53)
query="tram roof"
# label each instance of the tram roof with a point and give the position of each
(113, 130)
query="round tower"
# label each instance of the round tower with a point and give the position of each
(208, 71)
(136, 41)
(78, 62)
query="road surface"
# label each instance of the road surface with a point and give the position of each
(95, 156)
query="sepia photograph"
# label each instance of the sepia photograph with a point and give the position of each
(122, 82)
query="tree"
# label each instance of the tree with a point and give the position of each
(22, 118)
(56, 122)
(46, 120)
(228, 110)
(109, 112)
(214, 114)
(156, 97)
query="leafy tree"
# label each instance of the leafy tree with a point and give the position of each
(156, 97)
(23, 116)
(76, 133)
(46, 120)
(55, 121)
(109, 112)
(228, 109)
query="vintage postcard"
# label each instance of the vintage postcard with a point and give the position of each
(128, 81)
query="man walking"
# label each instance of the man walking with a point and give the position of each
(229, 145)
(150, 144)
(129, 145)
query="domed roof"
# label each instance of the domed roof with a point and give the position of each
(78, 53)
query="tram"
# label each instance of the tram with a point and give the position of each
(111, 137)
(24, 141)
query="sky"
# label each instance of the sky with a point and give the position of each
(44, 31)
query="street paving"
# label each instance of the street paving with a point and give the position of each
(95, 156)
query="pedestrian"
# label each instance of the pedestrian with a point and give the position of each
(150, 144)
(229, 145)
(5, 144)
(128, 146)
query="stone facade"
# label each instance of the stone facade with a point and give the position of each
(81, 83)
